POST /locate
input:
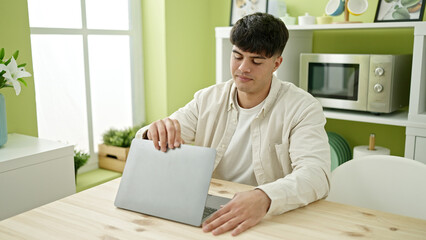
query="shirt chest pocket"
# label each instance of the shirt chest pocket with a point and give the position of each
(283, 157)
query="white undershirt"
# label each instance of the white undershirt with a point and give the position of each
(236, 164)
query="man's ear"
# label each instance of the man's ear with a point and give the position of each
(278, 62)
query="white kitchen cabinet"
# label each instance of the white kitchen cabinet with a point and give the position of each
(301, 39)
(34, 172)
(416, 137)
(420, 149)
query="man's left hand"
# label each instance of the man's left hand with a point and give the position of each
(244, 211)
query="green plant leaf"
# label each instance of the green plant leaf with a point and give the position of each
(23, 81)
(2, 80)
(22, 65)
(80, 158)
(16, 54)
(1, 54)
(8, 61)
(120, 138)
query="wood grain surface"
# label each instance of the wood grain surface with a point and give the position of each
(91, 214)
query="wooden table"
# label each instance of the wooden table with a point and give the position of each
(91, 215)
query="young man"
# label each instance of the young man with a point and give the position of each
(266, 132)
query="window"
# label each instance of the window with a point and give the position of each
(87, 61)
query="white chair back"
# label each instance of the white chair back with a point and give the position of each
(382, 182)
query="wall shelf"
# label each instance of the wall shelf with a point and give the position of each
(223, 32)
(398, 118)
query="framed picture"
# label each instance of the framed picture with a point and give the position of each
(241, 8)
(399, 10)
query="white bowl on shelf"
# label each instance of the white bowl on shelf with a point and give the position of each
(357, 7)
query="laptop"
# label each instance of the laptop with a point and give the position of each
(171, 185)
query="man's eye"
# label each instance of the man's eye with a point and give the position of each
(257, 62)
(238, 57)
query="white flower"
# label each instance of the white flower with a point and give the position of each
(12, 73)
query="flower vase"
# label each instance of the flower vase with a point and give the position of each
(3, 126)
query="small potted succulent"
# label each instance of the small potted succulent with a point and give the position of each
(113, 152)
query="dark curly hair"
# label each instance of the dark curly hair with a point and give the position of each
(260, 33)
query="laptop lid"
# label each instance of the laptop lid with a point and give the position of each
(171, 185)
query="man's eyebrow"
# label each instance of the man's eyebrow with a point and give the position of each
(235, 51)
(257, 56)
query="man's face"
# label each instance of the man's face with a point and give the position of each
(252, 72)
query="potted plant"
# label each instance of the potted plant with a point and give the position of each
(80, 158)
(113, 152)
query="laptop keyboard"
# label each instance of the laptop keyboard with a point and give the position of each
(208, 211)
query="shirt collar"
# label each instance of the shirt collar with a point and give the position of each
(269, 101)
(231, 101)
(272, 95)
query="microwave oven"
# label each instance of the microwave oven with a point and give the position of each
(362, 82)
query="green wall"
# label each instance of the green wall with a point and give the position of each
(395, 41)
(190, 58)
(154, 55)
(179, 50)
(358, 133)
(188, 37)
(179, 58)
(15, 35)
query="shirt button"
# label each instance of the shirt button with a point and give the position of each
(223, 146)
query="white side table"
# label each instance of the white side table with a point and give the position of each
(34, 172)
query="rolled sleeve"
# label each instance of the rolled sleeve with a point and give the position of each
(141, 133)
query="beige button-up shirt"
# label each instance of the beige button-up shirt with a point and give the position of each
(291, 154)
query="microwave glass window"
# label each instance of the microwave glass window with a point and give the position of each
(333, 80)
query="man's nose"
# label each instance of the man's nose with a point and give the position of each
(245, 66)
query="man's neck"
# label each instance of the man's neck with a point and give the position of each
(247, 100)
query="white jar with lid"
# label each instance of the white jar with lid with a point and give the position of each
(306, 19)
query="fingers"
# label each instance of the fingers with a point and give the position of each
(165, 133)
(245, 210)
(221, 221)
(208, 225)
(178, 139)
(170, 133)
(227, 222)
(153, 135)
(161, 128)
(226, 226)
(242, 227)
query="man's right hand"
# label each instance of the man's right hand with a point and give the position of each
(165, 133)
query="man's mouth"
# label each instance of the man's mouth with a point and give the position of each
(243, 78)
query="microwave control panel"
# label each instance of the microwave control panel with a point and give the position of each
(389, 82)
